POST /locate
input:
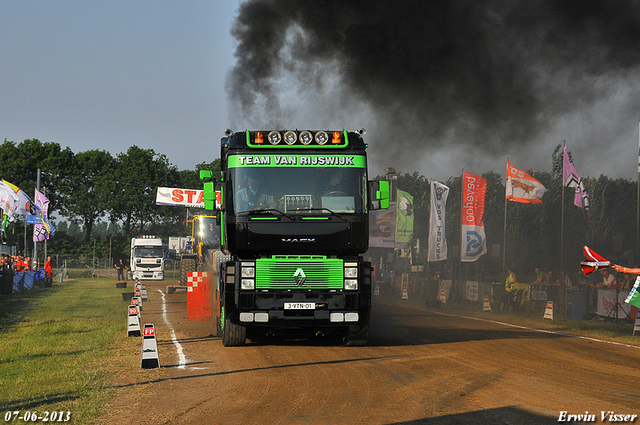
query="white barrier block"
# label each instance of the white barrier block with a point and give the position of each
(548, 311)
(149, 359)
(636, 326)
(443, 297)
(486, 306)
(137, 301)
(133, 321)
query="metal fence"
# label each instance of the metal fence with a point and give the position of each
(88, 266)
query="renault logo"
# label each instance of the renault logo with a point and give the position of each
(299, 277)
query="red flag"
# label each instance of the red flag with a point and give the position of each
(593, 262)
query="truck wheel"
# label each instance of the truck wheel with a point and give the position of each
(186, 265)
(357, 335)
(217, 319)
(232, 334)
(217, 328)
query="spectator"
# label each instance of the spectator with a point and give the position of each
(540, 277)
(48, 271)
(19, 265)
(627, 282)
(120, 267)
(510, 288)
(537, 287)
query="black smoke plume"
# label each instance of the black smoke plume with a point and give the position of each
(441, 83)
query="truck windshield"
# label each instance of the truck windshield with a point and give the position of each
(148, 252)
(302, 190)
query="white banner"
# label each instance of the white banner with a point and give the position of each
(185, 197)
(193, 198)
(471, 291)
(437, 235)
(607, 300)
(382, 227)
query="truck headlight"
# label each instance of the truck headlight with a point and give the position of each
(274, 137)
(351, 284)
(322, 137)
(247, 284)
(290, 137)
(306, 137)
(351, 275)
(248, 269)
(351, 272)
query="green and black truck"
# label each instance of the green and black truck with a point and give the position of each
(294, 219)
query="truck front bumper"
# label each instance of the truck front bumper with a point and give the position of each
(295, 309)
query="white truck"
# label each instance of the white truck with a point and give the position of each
(147, 258)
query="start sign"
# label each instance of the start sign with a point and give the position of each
(182, 197)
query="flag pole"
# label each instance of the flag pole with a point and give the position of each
(504, 232)
(35, 242)
(461, 221)
(638, 205)
(562, 280)
(430, 218)
(562, 209)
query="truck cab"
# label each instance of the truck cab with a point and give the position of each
(294, 219)
(147, 258)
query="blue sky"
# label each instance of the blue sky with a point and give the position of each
(111, 74)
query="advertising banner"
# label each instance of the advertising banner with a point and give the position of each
(404, 217)
(382, 227)
(473, 244)
(193, 198)
(607, 301)
(437, 234)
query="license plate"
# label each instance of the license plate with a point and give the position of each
(299, 306)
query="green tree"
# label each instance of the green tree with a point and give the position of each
(139, 173)
(20, 164)
(85, 188)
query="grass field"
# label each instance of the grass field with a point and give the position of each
(62, 348)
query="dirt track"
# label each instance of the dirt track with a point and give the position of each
(420, 367)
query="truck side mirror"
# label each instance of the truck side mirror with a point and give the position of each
(379, 194)
(209, 196)
(206, 174)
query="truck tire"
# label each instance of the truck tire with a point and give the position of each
(233, 335)
(357, 335)
(217, 330)
(186, 265)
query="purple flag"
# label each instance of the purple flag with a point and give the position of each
(571, 178)
(40, 231)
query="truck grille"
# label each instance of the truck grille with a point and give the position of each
(320, 272)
